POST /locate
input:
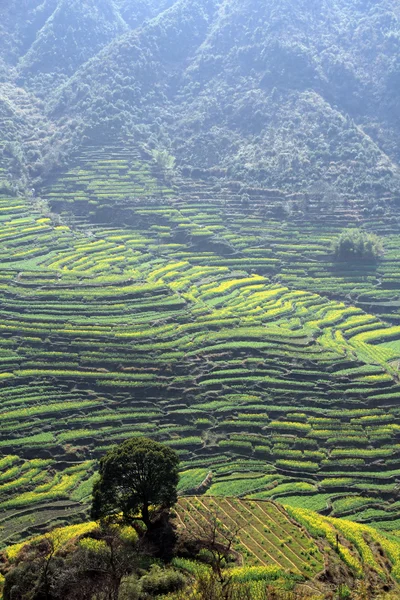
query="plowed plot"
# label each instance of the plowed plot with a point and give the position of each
(267, 535)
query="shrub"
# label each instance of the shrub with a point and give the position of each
(161, 581)
(357, 245)
(163, 159)
(130, 588)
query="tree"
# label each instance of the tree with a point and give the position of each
(86, 568)
(357, 245)
(135, 475)
(32, 574)
(163, 160)
(212, 538)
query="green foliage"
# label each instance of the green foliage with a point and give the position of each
(135, 475)
(163, 160)
(265, 537)
(161, 581)
(358, 246)
(113, 70)
(71, 567)
(282, 551)
(344, 592)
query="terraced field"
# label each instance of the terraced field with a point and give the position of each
(298, 541)
(273, 542)
(129, 309)
(267, 536)
(360, 547)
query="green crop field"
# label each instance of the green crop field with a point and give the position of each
(132, 305)
(267, 536)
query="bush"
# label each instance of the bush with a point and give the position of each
(344, 592)
(161, 581)
(130, 588)
(357, 245)
(164, 160)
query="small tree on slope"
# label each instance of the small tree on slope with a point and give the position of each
(356, 245)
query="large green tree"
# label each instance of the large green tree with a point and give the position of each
(134, 476)
(357, 245)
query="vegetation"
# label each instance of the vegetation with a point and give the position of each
(163, 160)
(223, 549)
(357, 245)
(194, 204)
(134, 476)
(260, 532)
(312, 113)
(257, 385)
(87, 566)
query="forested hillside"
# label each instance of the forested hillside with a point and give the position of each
(286, 93)
(200, 241)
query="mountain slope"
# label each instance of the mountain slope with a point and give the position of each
(279, 546)
(279, 94)
(25, 132)
(199, 302)
(19, 24)
(74, 33)
(203, 321)
(134, 13)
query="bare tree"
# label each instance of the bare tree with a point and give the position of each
(214, 541)
(219, 539)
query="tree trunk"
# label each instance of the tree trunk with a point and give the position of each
(146, 515)
(116, 586)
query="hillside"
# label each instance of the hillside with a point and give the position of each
(285, 95)
(262, 96)
(284, 547)
(173, 179)
(217, 324)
